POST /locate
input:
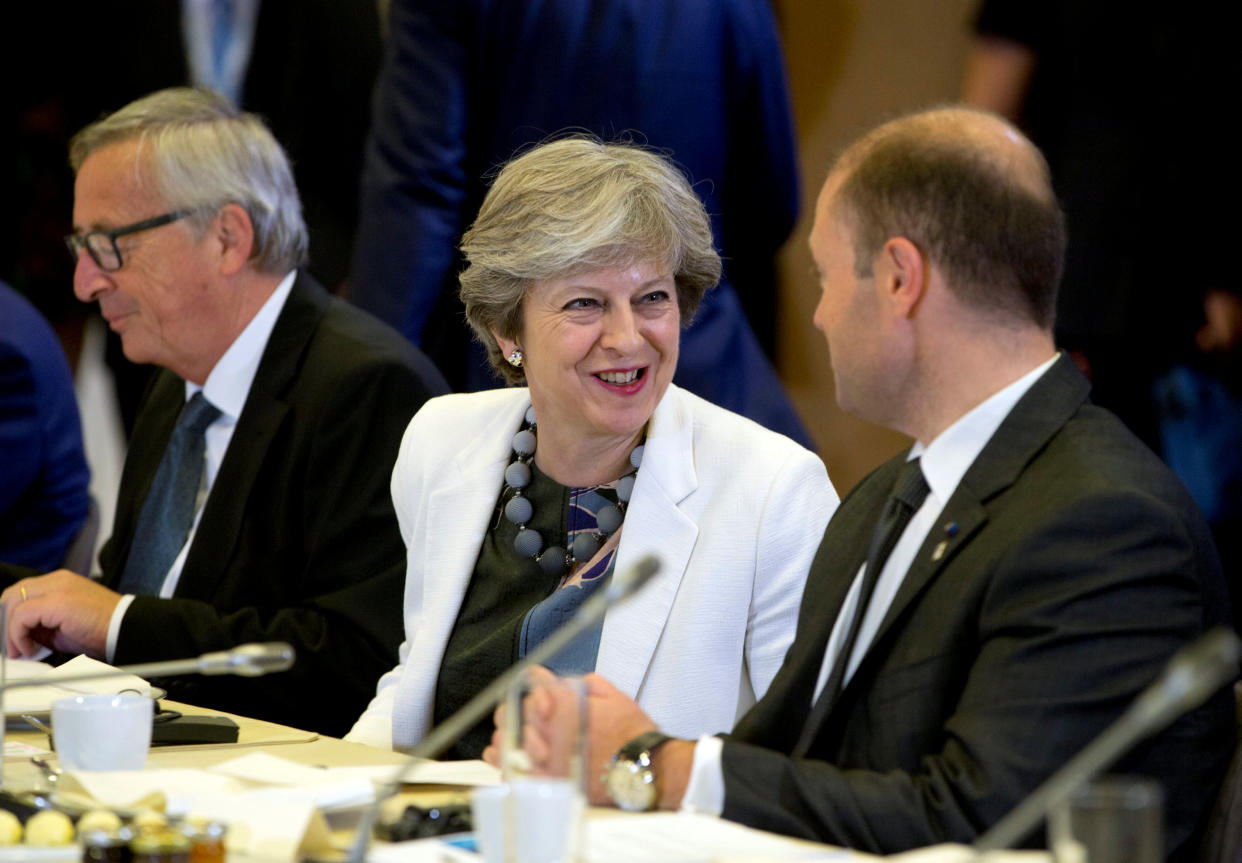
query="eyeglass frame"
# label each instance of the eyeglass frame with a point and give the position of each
(76, 242)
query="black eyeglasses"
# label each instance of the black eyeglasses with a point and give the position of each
(102, 247)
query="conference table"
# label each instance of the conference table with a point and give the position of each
(611, 835)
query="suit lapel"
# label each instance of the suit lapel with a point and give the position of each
(1033, 421)
(261, 418)
(460, 513)
(833, 571)
(654, 523)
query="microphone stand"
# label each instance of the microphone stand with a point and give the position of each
(246, 660)
(1192, 675)
(621, 587)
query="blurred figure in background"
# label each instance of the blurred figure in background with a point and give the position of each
(467, 85)
(43, 473)
(306, 66)
(1128, 107)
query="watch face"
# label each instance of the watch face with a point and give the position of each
(631, 785)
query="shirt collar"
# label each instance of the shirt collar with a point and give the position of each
(228, 384)
(947, 458)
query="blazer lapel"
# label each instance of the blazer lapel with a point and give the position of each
(654, 524)
(1038, 415)
(260, 419)
(459, 515)
(456, 518)
(834, 571)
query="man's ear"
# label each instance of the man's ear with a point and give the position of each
(901, 273)
(235, 233)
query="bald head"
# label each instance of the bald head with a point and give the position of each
(972, 193)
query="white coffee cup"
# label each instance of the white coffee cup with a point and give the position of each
(529, 820)
(102, 732)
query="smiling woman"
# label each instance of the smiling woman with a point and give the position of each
(584, 263)
(599, 350)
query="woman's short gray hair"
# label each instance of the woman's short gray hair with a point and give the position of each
(204, 154)
(574, 205)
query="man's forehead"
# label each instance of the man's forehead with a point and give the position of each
(827, 209)
(112, 183)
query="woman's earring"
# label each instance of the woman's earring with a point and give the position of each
(515, 358)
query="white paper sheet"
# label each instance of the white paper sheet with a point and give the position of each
(676, 837)
(966, 854)
(328, 787)
(263, 824)
(38, 700)
(122, 789)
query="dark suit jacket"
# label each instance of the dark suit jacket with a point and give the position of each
(298, 540)
(43, 472)
(468, 84)
(1073, 566)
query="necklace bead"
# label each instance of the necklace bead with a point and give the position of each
(527, 542)
(518, 509)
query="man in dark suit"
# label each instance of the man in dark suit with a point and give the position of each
(271, 430)
(1044, 565)
(467, 85)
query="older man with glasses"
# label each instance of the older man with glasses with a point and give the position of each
(254, 500)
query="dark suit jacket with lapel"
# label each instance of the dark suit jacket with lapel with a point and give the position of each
(298, 540)
(1066, 569)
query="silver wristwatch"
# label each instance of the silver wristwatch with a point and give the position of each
(629, 778)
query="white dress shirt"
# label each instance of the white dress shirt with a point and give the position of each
(944, 462)
(227, 387)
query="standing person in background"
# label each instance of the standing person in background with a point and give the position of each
(43, 472)
(468, 84)
(306, 66)
(1127, 106)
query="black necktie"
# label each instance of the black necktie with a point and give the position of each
(908, 495)
(168, 511)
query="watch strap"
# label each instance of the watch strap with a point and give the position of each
(648, 741)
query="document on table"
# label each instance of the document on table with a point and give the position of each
(342, 786)
(38, 699)
(677, 837)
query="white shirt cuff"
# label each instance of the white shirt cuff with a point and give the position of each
(705, 792)
(114, 627)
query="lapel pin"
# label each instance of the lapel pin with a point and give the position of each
(939, 552)
(950, 529)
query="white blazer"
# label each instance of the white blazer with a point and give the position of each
(734, 512)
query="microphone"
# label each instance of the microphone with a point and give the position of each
(620, 587)
(1193, 674)
(246, 660)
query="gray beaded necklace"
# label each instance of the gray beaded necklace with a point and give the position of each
(555, 560)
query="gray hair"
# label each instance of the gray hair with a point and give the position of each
(204, 154)
(575, 205)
